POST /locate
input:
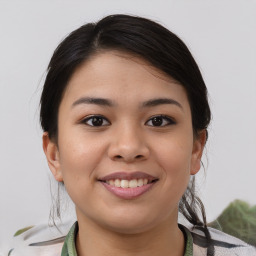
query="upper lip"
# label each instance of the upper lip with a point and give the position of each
(127, 176)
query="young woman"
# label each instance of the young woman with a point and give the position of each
(125, 114)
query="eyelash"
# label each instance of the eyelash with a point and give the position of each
(90, 118)
(168, 120)
(165, 119)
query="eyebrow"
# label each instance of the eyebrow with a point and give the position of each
(161, 101)
(96, 101)
(109, 103)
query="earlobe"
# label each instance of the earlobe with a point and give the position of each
(52, 155)
(198, 148)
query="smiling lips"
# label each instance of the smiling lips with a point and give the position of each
(128, 185)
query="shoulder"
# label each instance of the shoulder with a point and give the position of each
(39, 240)
(223, 243)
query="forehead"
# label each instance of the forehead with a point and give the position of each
(122, 76)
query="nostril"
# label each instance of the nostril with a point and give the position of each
(128, 158)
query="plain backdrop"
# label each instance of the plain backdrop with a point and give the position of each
(222, 37)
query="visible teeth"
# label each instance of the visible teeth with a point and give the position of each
(111, 182)
(128, 184)
(140, 183)
(117, 183)
(124, 183)
(145, 181)
(133, 183)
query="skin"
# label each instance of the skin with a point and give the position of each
(127, 141)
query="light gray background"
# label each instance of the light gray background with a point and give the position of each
(222, 37)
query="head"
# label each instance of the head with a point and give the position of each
(139, 49)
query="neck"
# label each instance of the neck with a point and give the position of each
(166, 240)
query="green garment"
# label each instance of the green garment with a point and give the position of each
(69, 247)
(239, 220)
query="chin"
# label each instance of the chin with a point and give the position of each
(132, 223)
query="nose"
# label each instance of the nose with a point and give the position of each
(129, 145)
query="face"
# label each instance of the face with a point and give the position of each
(126, 147)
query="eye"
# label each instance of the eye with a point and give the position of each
(96, 120)
(160, 120)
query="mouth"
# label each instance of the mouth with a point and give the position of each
(128, 185)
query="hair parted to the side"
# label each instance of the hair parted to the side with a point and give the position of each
(152, 42)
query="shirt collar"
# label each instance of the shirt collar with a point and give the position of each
(69, 247)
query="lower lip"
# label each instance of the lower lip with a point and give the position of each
(128, 193)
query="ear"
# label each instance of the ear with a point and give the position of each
(198, 147)
(52, 154)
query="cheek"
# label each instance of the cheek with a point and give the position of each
(79, 157)
(174, 155)
(175, 158)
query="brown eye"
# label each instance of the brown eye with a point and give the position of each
(160, 121)
(96, 121)
(157, 121)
